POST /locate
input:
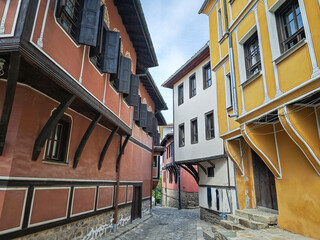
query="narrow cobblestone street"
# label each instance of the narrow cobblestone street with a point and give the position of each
(166, 223)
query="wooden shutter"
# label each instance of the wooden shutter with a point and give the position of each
(125, 75)
(136, 111)
(149, 122)
(97, 50)
(143, 115)
(133, 97)
(154, 126)
(110, 52)
(88, 28)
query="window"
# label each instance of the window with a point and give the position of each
(57, 143)
(180, 94)
(181, 135)
(194, 131)
(170, 177)
(290, 25)
(210, 171)
(228, 91)
(192, 86)
(252, 56)
(207, 81)
(155, 161)
(68, 14)
(220, 28)
(209, 125)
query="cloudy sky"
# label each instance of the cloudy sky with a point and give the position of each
(177, 32)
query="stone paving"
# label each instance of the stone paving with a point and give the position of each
(166, 224)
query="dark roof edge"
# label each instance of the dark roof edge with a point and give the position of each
(203, 6)
(185, 65)
(160, 118)
(166, 138)
(144, 25)
(156, 89)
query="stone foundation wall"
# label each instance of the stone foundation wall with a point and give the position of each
(89, 228)
(170, 198)
(209, 215)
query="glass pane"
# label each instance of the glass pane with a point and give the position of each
(55, 150)
(57, 134)
(211, 122)
(299, 20)
(209, 82)
(49, 148)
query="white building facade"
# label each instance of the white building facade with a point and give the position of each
(197, 145)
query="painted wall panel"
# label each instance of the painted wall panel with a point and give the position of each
(83, 200)
(214, 46)
(11, 208)
(122, 194)
(254, 94)
(246, 24)
(129, 193)
(298, 73)
(105, 197)
(49, 204)
(237, 7)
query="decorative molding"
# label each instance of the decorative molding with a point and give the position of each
(40, 39)
(4, 17)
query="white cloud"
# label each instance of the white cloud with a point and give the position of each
(177, 32)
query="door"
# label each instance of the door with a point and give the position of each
(136, 203)
(266, 195)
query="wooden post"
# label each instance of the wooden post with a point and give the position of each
(13, 76)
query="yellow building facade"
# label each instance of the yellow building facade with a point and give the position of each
(265, 56)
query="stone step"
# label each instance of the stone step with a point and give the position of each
(231, 225)
(209, 235)
(246, 222)
(258, 216)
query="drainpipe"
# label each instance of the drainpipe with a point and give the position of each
(179, 187)
(115, 218)
(151, 184)
(233, 76)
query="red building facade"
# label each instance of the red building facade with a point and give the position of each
(171, 175)
(79, 116)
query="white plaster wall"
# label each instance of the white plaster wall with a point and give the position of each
(227, 199)
(204, 101)
(220, 173)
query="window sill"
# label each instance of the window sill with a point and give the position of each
(229, 108)
(54, 162)
(225, 35)
(251, 79)
(290, 51)
(194, 142)
(210, 138)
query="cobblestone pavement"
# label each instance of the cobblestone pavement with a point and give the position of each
(166, 224)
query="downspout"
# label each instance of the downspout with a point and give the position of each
(151, 184)
(233, 76)
(115, 217)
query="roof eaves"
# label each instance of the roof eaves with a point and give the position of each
(167, 82)
(146, 32)
(203, 6)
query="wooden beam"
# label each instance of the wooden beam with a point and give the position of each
(13, 76)
(212, 164)
(203, 168)
(192, 169)
(106, 146)
(187, 169)
(121, 152)
(51, 123)
(85, 139)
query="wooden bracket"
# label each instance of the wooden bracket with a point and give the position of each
(189, 171)
(106, 146)
(51, 123)
(85, 139)
(212, 164)
(203, 168)
(121, 152)
(13, 76)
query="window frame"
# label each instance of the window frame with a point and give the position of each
(220, 24)
(210, 171)
(229, 95)
(299, 34)
(180, 98)
(181, 127)
(62, 14)
(192, 85)
(192, 121)
(208, 130)
(252, 40)
(63, 142)
(205, 75)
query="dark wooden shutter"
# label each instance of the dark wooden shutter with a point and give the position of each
(156, 138)
(125, 75)
(88, 28)
(143, 115)
(97, 50)
(136, 111)
(149, 122)
(111, 52)
(133, 97)
(154, 126)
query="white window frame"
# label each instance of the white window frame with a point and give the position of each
(220, 27)
(228, 90)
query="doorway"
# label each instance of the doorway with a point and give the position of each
(264, 183)
(136, 203)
